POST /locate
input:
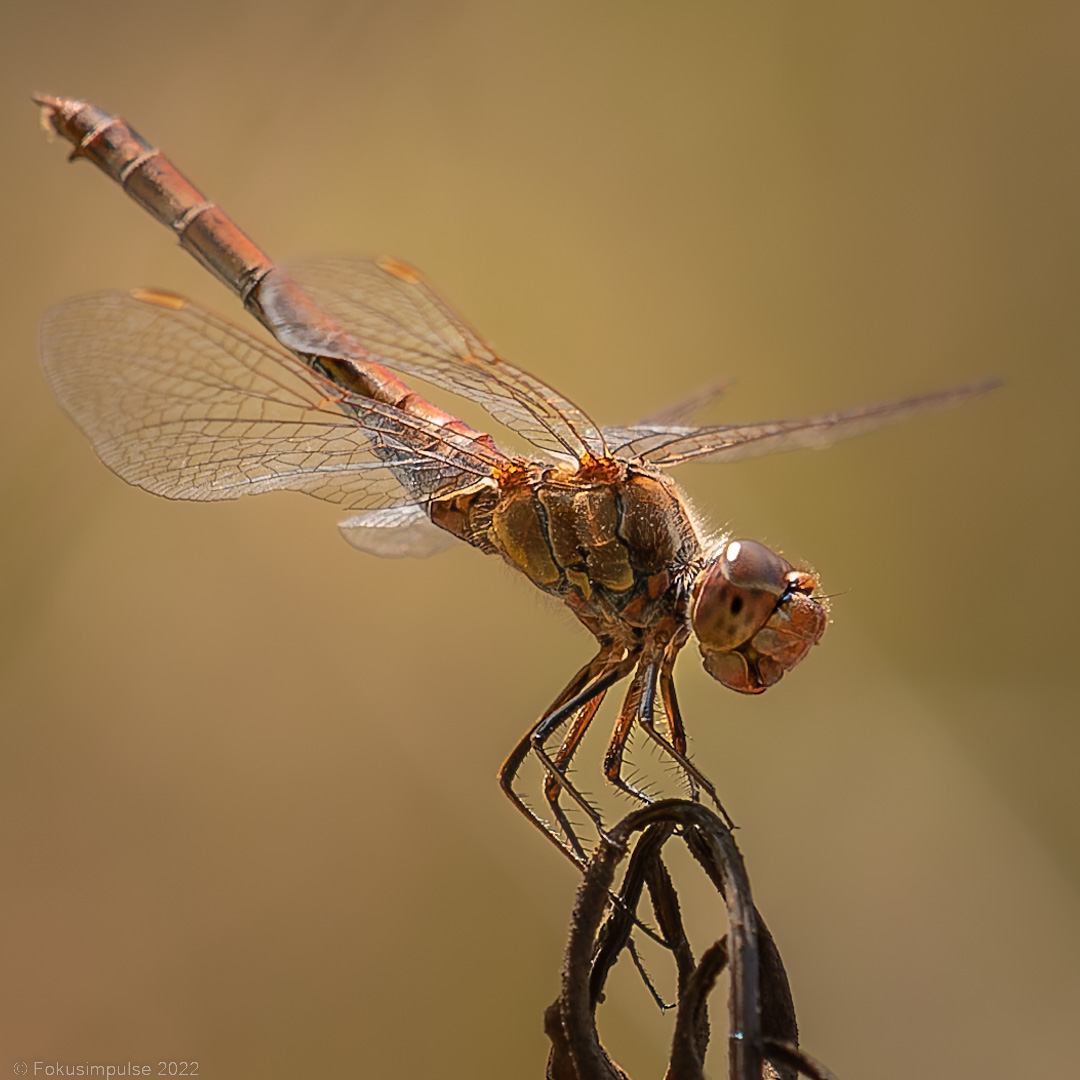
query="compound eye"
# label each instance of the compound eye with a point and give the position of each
(750, 565)
(737, 594)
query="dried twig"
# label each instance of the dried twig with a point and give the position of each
(763, 1039)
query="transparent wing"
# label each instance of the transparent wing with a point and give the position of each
(669, 445)
(183, 404)
(397, 532)
(687, 408)
(406, 326)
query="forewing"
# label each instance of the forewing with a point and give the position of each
(183, 404)
(389, 308)
(673, 445)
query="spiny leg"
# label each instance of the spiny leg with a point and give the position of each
(592, 680)
(552, 785)
(613, 759)
(672, 712)
(509, 770)
(543, 731)
(581, 697)
(676, 727)
(676, 746)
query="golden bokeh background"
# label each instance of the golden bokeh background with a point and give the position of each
(248, 805)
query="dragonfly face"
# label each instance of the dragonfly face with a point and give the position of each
(754, 616)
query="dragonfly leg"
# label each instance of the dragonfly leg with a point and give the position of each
(676, 746)
(591, 681)
(641, 687)
(547, 727)
(672, 712)
(553, 787)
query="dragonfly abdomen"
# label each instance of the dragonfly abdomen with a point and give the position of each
(157, 185)
(211, 236)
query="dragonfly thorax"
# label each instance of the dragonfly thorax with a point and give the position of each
(612, 540)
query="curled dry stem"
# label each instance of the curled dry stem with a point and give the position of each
(763, 1040)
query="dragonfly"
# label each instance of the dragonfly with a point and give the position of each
(183, 404)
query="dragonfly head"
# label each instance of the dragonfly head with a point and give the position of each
(754, 616)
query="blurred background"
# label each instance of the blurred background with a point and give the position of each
(247, 775)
